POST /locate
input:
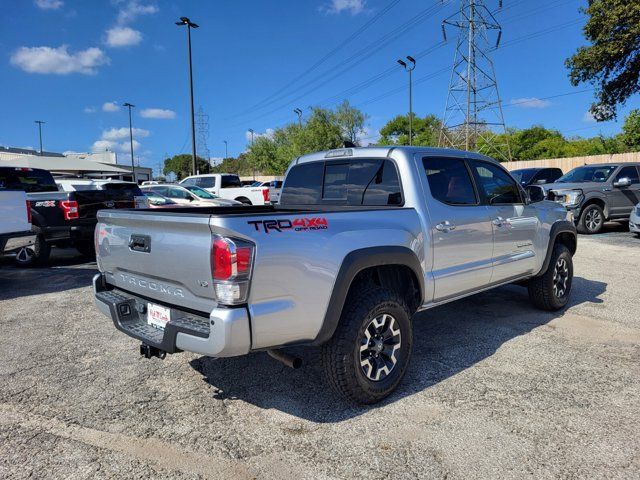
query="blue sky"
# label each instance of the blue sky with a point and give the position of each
(73, 63)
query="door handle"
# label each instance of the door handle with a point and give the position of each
(445, 226)
(498, 222)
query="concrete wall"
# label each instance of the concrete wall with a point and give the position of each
(566, 164)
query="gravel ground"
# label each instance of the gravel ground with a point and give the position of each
(496, 389)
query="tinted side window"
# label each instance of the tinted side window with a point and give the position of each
(629, 172)
(497, 186)
(303, 184)
(449, 181)
(230, 181)
(206, 182)
(189, 181)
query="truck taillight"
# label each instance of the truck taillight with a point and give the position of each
(265, 194)
(29, 211)
(231, 262)
(70, 209)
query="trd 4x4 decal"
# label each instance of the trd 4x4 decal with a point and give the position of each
(297, 224)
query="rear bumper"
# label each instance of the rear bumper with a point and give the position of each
(15, 241)
(224, 332)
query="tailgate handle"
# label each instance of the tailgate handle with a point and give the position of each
(140, 243)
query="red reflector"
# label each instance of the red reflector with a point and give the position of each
(243, 257)
(29, 211)
(221, 260)
(265, 194)
(70, 209)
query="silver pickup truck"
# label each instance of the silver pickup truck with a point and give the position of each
(361, 240)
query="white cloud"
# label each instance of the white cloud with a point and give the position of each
(118, 147)
(115, 134)
(58, 60)
(89, 110)
(160, 113)
(49, 4)
(123, 37)
(588, 117)
(530, 102)
(133, 9)
(352, 6)
(110, 107)
(268, 133)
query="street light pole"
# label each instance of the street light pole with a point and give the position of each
(133, 167)
(298, 112)
(254, 165)
(190, 25)
(410, 68)
(40, 122)
(226, 149)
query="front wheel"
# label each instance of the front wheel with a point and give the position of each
(591, 220)
(33, 255)
(550, 291)
(369, 352)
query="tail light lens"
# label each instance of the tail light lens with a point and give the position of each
(29, 211)
(231, 264)
(265, 194)
(70, 209)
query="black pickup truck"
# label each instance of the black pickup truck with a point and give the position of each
(59, 218)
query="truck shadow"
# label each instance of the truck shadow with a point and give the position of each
(447, 340)
(65, 270)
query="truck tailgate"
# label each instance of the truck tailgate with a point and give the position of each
(159, 256)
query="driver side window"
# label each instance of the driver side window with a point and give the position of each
(496, 185)
(631, 173)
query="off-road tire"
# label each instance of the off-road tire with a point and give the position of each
(541, 288)
(340, 356)
(584, 224)
(36, 255)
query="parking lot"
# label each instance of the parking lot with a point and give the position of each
(496, 389)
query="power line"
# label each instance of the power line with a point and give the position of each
(331, 53)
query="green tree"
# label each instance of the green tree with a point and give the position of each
(524, 143)
(181, 165)
(350, 120)
(425, 131)
(612, 62)
(271, 155)
(631, 130)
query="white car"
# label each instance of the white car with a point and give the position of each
(634, 220)
(15, 221)
(189, 195)
(228, 185)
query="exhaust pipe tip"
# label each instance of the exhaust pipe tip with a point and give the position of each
(288, 360)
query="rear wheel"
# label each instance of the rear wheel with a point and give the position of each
(34, 255)
(244, 200)
(550, 291)
(369, 352)
(591, 219)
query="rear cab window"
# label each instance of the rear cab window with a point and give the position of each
(353, 182)
(27, 179)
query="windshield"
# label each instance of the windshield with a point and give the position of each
(524, 175)
(587, 174)
(200, 192)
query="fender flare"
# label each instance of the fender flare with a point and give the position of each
(559, 227)
(355, 262)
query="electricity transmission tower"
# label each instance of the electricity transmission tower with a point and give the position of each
(473, 115)
(202, 129)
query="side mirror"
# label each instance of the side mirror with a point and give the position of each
(536, 194)
(623, 182)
